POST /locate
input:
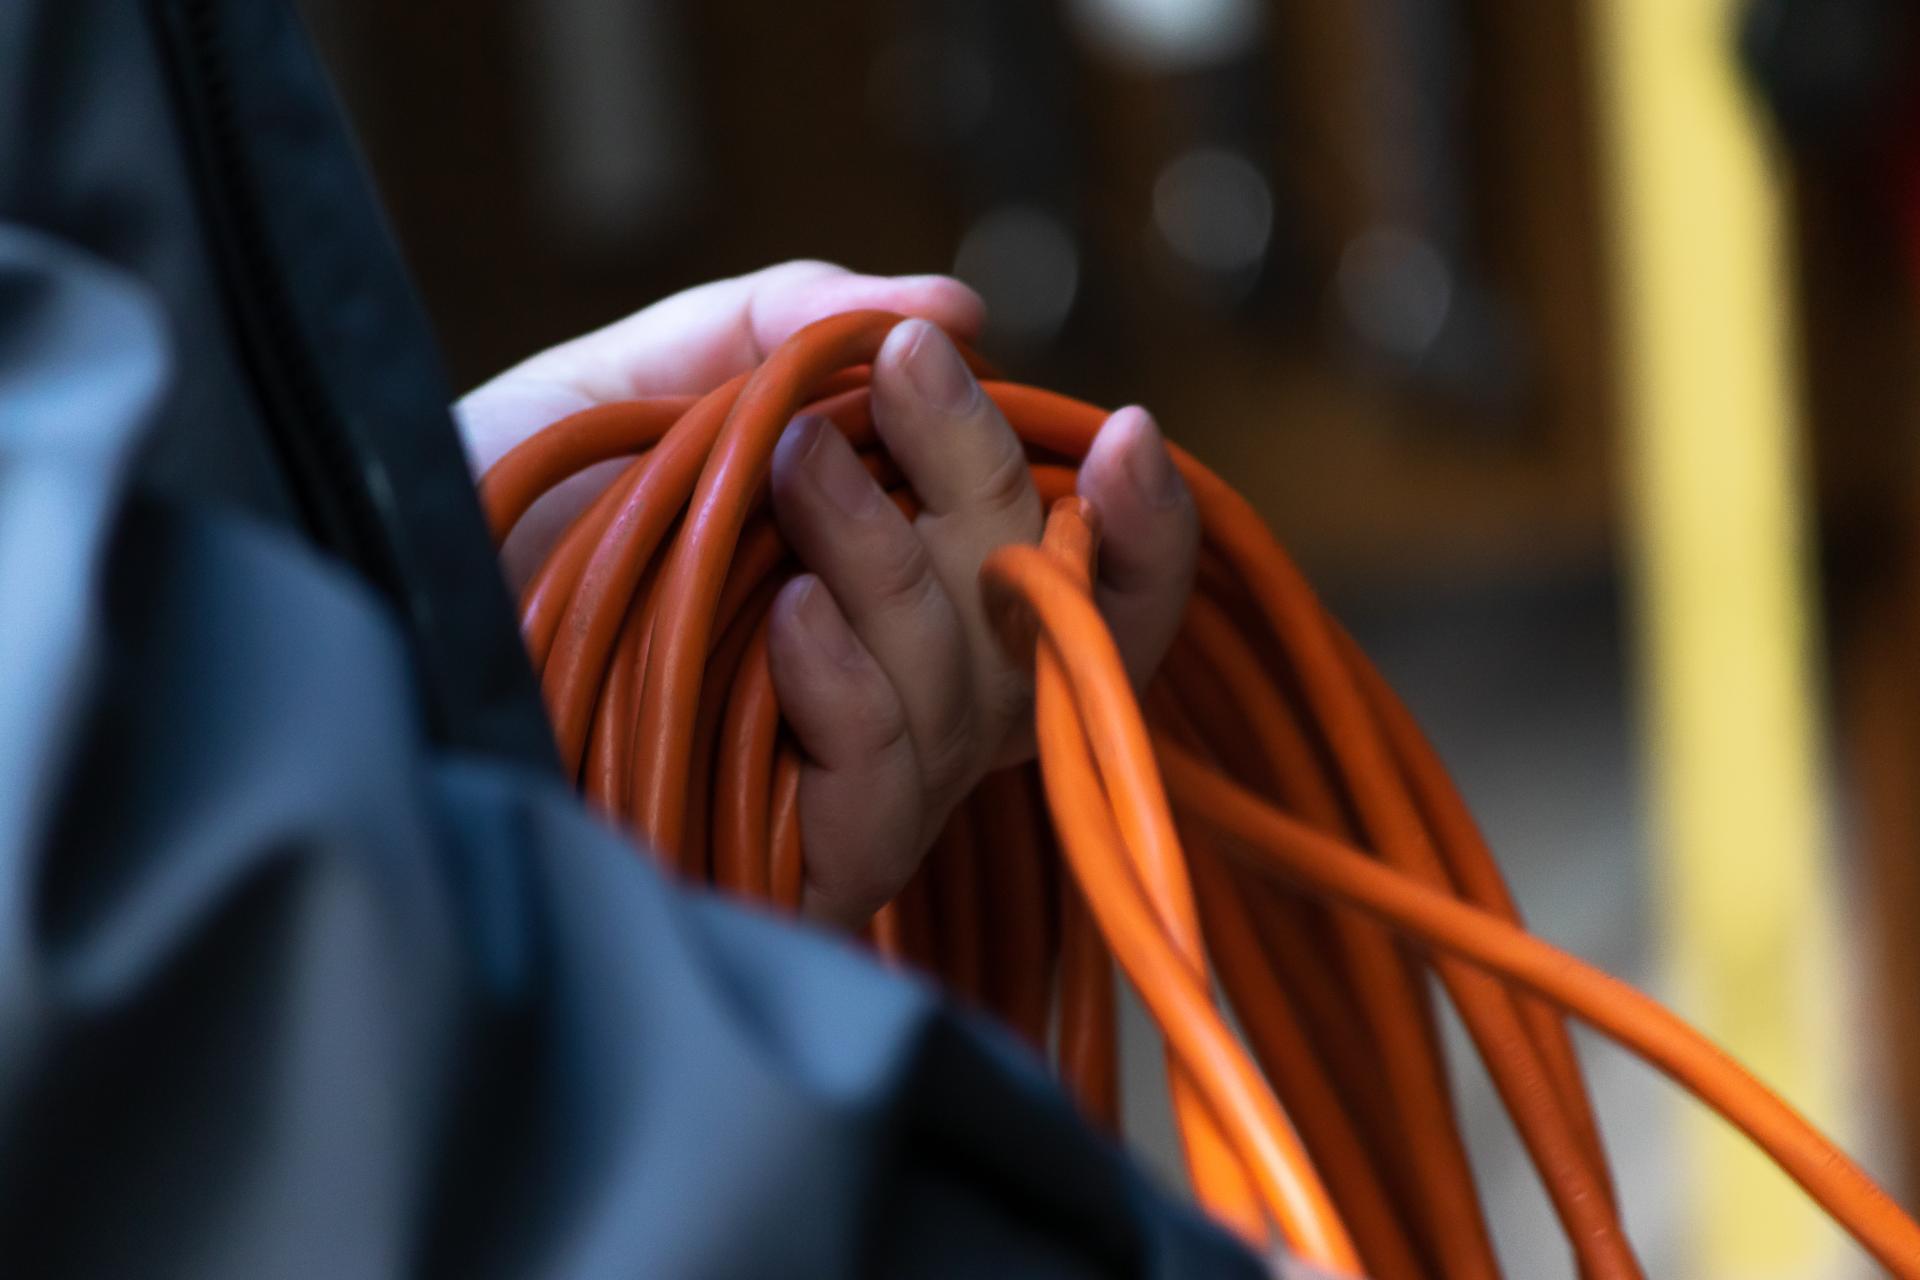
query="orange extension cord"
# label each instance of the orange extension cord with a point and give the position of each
(1275, 823)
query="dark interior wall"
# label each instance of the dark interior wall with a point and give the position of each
(876, 134)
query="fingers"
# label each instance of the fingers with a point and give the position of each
(948, 438)
(689, 342)
(910, 595)
(970, 474)
(697, 339)
(1150, 536)
(883, 577)
(860, 791)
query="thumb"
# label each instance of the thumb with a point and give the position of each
(1150, 536)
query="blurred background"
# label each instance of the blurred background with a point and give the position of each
(1571, 346)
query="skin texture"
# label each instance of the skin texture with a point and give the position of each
(883, 661)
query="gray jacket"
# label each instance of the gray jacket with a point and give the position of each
(309, 963)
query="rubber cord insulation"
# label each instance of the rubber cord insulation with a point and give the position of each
(1272, 825)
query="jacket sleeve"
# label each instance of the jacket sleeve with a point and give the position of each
(286, 992)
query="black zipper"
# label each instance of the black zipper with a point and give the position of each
(326, 479)
(341, 364)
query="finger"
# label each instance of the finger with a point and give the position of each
(882, 576)
(970, 474)
(695, 340)
(949, 439)
(1150, 536)
(528, 545)
(689, 342)
(860, 806)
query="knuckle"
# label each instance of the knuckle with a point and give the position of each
(1007, 485)
(802, 269)
(947, 754)
(900, 574)
(783, 280)
(879, 724)
(865, 870)
(1011, 699)
(868, 719)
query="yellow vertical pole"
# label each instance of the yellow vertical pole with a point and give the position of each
(1721, 589)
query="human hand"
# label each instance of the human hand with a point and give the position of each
(888, 672)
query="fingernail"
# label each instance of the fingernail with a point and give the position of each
(938, 373)
(822, 622)
(1149, 463)
(837, 471)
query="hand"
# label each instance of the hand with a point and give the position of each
(888, 673)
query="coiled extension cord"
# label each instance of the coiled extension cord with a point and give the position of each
(1274, 822)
